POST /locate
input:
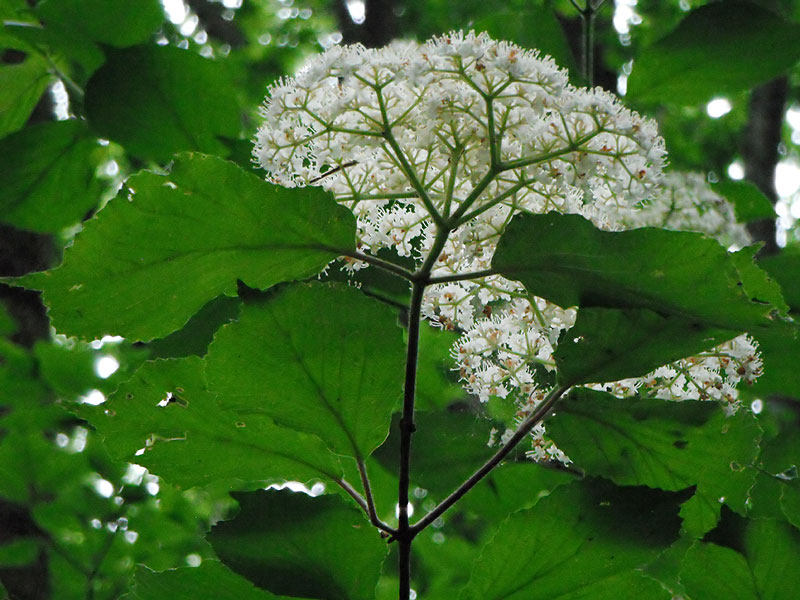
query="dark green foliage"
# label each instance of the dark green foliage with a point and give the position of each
(160, 100)
(300, 546)
(696, 60)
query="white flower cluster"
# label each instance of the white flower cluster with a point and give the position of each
(685, 201)
(459, 135)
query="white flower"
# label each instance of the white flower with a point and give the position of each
(463, 133)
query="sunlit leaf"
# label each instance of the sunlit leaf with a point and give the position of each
(166, 414)
(339, 373)
(704, 56)
(293, 544)
(585, 540)
(147, 262)
(47, 176)
(158, 100)
(568, 261)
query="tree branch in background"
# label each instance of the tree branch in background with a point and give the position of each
(760, 151)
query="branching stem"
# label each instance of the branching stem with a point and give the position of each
(495, 460)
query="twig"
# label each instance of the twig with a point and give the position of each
(495, 460)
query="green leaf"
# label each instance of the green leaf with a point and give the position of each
(47, 176)
(667, 445)
(158, 100)
(21, 86)
(779, 347)
(785, 269)
(146, 263)
(585, 540)
(195, 337)
(609, 345)
(448, 447)
(19, 552)
(166, 410)
(112, 22)
(338, 373)
(210, 580)
(749, 203)
(530, 27)
(766, 569)
(290, 543)
(568, 261)
(757, 283)
(704, 56)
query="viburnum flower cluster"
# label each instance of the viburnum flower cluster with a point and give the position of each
(435, 147)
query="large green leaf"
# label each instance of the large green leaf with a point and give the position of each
(293, 544)
(317, 358)
(672, 446)
(721, 48)
(158, 100)
(566, 260)
(766, 569)
(47, 176)
(585, 540)
(113, 22)
(609, 344)
(210, 580)
(147, 262)
(21, 86)
(166, 410)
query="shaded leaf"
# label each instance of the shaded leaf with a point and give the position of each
(188, 440)
(766, 569)
(448, 447)
(785, 269)
(338, 374)
(756, 282)
(293, 544)
(146, 263)
(779, 346)
(609, 344)
(47, 178)
(210, 580)
(112, 22)
(21, 86)
(667, 445)
(194, 337)
(568, 261)
(585, 540)
(749, 203)
(159, 100)
(703, 56)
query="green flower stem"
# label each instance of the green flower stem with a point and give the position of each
(462, 276)
(382, 264)
(521, 433)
